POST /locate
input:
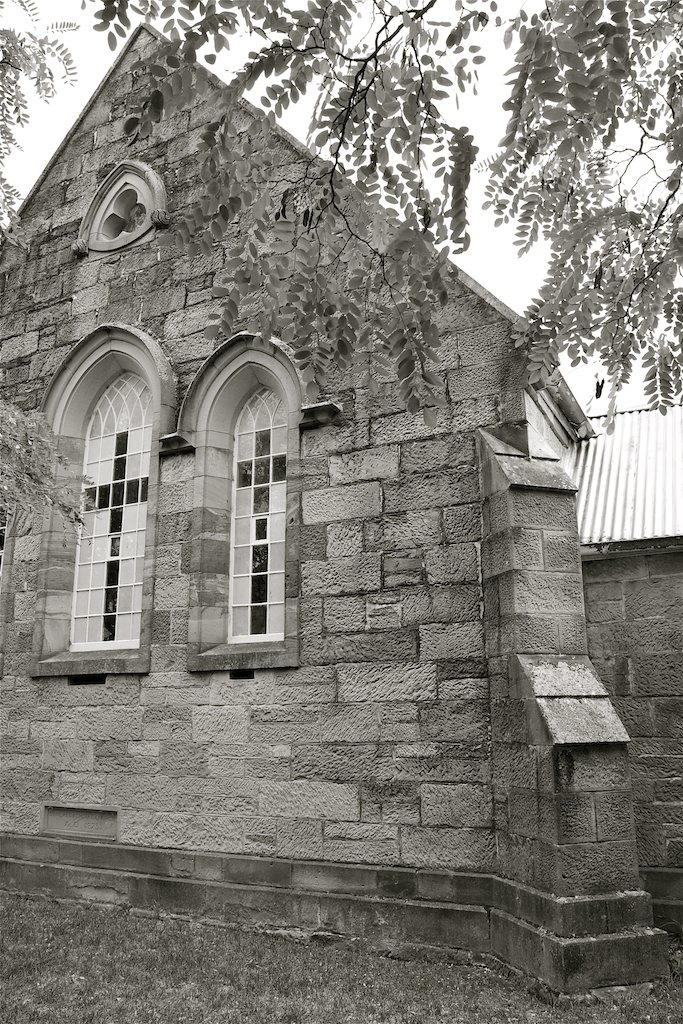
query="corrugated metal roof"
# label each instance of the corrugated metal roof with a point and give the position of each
(631, 481)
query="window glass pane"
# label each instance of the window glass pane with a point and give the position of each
(258, 619)
(279, 467)
(262, 443)
(240, 589)
(278, 497)
(80, 630)
(97, 579)
(244, 474)
(276, 587)
(127, 574)
(259, 589)
(245, 446)
(259, 558)
(94, 630)
(276, 615)
(123, 627)
(135, 440)
(240, 621)
(130, 517)
(279, 440)
(107, 447)
(242, 531)
(258, 510)
(277, 526)
(115, 520)
(242, 560)
(100, 523)
(118, 443)
(277, 557)
(100, 549)
(261, 499)
(243, 502)
(262, 471)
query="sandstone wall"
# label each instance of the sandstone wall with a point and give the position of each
(635, 638)
(376, 748)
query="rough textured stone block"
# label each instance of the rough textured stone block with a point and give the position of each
(403, 531)
(68, 755)
(453, 848)
(351, 724)
(452, 563)
(355, 501)
(462, 806)
(367, 682)
(220, 725)
(455, 640)
(353, 575)
(372, 464)
(344, 539)
(301, 799)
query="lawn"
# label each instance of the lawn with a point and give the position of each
(75, 964)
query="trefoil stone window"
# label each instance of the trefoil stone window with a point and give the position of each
(110, 555)
(257, 605)
(127, 206)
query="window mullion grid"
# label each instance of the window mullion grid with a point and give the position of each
(108, 590)
(257, 606)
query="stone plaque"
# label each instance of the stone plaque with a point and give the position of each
(81, 822)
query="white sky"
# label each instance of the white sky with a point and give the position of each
(491, 259)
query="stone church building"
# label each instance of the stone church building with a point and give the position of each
(322, 666)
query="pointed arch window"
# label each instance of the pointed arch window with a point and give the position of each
(107, 599)
(257, 577)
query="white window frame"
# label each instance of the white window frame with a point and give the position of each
(142, 461)
(278, 422)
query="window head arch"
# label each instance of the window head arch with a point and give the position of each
(125, 207)
(110, 554)
(257, 577)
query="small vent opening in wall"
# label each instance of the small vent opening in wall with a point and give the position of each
(242, 673)
(87, 680)
(99, 823)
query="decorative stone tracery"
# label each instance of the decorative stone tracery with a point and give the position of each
(130, 202)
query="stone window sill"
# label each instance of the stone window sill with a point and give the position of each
(278, 654)
(86, 663)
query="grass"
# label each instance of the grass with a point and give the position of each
(78, 964)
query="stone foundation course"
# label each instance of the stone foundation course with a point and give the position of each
(572, 944)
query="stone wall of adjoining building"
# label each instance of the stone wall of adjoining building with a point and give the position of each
(376, 747)
(635, 638)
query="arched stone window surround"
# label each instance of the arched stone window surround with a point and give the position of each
(69, 401)
(207, 420)
(130, 185)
